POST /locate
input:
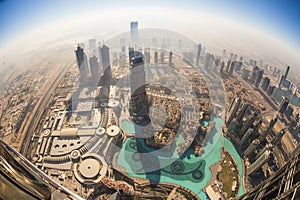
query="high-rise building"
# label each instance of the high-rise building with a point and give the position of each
(259, 77)
(231, 69)
(170, 58)
(92, 47)
(289, 112)
(94, 65)
(209, 60)
(265, 83)
(82, 63)
(222, 67)
(105, 58)
(281, 78)
(283, 105)
(155, 57)
(245, 74)
(227, 66)
(245, 137)
(286, 73)
(254, 74)
(284, 184)
(138, 108)
(224, 54)
(278, 137)
(147, 55)
(270, 90)
(198, 54)
(233, 108)
(242, 113)
(268, 130)
(247, 124)
(134, 33)
(251, 147)
(259, 162)
(238, 66)
(162, 57)
(241, 58)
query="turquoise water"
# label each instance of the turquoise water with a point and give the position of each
(187, 170)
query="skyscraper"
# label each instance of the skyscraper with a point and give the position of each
(254, 74)
(232, 111)
(147, 55)
(259, 77)
(284, 184)
(265, 83)
(247, 124)
(155, 57)
(283, 105)
(134, 33)
(105, 58)
(268, 130)
(231, 69)
(198, 54)
(286, 72)
(170, 58)
(94, 65)
(251, 147)
(138, 108)
(222, 67)
(259, 162)
(92, 47)
(242, 113)
(245, 74)
(82, 63)
(162, 57)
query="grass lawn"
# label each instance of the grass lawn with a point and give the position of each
(227, 176)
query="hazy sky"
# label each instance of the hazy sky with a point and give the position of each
(279, 18)
(264, 29)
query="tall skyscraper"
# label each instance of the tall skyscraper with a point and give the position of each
(254, 74)
(92, 47)
(232, 111)
(228, 65)
(134, 33)
(224, 54)
(245, 137)
(231, 69)
(245, 74)
(138, 108)
(286, 73)
(94, 65)
(198, 54)
(268, 130)
(242, 113)
(105, 58)
(283, 105)
(251, 147)
(259, 162)
(265, 83)
(162, 57)
(147, 55)
(170, 58)
(222, 67)
(82, 63)
(284, 184)
(155, 57)
(259, 77)
(247, 124)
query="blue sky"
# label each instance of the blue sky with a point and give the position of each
(279, 18)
